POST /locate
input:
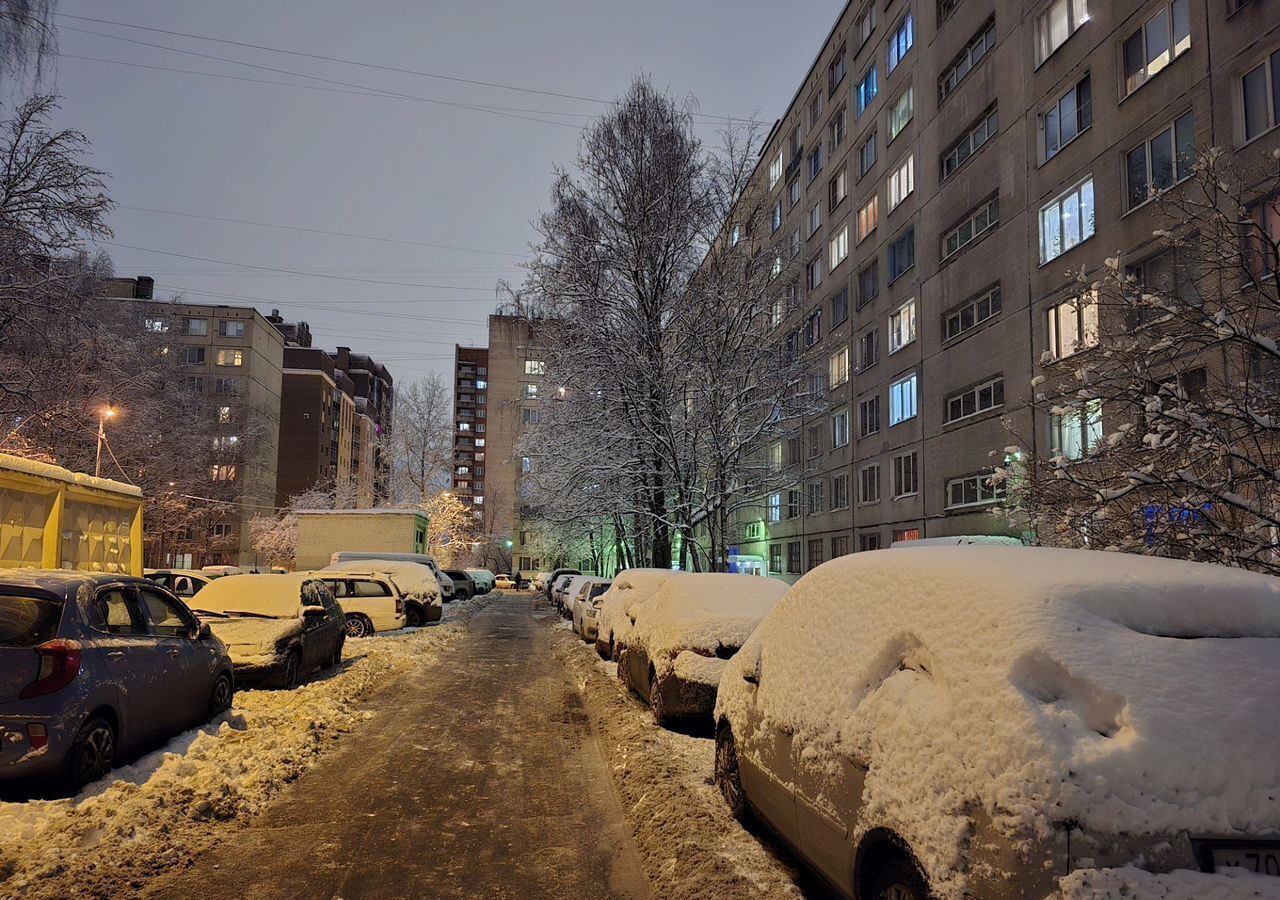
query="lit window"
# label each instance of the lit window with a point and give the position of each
(230, 357)
(838, 367)
(535, 367)
(900, 41)
(1073, 325)
(1148, 50)
(902, 326)
(1056, 24)
(868, 218)
(868, 87)
(530, 391)
(840, 430)
(1066, 221)
(224, 415)
(902, 400)
(839, 247)
(1075, 432)
(775, 508)
(775, 171)
(902, 182)
(901, 112)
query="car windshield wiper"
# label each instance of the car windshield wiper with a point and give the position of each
(209, 612)
(242, 612)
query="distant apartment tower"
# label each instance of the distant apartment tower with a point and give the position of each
(496, 389)
(940, 169)
(374, 406)
(232, 357)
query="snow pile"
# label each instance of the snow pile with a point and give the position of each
(1032, 685)
(631, 588)
(704, 611)
(693, 667)
(690, 846)
(279, 596)
(1128, 882)
(165, 807)
(413, 579)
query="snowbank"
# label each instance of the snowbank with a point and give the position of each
(703, 611)
(1032, 685)
(630, 589)
(165, 807)
(1136, 884)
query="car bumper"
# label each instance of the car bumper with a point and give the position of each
(589, 629)
(258, 671)
(20, 760)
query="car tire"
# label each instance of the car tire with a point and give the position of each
(655, 700)
(220, 698)
(727, 774)
(603, 650)
(414, 617)
(93, 753)
(357, 626)
(336, 659)
(292, 670)
(899, 879)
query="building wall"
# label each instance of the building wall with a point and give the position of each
(513, 359)
(321, 534)
(305, 424)
(1010, 166)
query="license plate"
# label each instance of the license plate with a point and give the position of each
(1260, 859)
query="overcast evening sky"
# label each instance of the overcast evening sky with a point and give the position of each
(403, 169)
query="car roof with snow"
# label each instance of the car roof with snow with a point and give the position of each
(63, 583)
(277, 596)
(1131, 693)
(410, 576)
(706, 609)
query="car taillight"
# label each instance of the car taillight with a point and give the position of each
(399, 606)
(59, 665)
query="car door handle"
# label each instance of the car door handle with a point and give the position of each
(174, 652)
(115, 654)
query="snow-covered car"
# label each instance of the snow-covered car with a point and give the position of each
(370, 600)
(185, 583)
(417, 583)
(483, 578)
(278, 628)
(504, 583)
(558, 590)
(630, 590)
(1013, 722)
(93, 666)
(554, 582)
(586, 608)
(572, 589)
(539, 581)
(443, 582)
(464, 587)
(683, 638)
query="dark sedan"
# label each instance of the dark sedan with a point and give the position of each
(93, 666)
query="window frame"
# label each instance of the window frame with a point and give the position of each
(869, 477)
(906, 314)
(994, 383)
(868, 424)
(989, 122)
(1182, 167)
(1059, 201)
(867, 219)
(894, 112)
(1076, 17)
(899, 473)
(905, 240)
(838, 372)
(866, 90)
(1165, 8)
(991, 294)
(908, 165)
(985, 39)
(913, 379)
(991, 208)
(1086, 325)
(1082, 111)
(838, 248)
(1270, 66)
(902, 38)
(995, 492)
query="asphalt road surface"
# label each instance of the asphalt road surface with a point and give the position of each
(484, 780)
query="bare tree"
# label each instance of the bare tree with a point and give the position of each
(421, 444)
(27, 36)
(1164, 412)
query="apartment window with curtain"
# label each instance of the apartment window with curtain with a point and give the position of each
(1076, 431)
(813, 498)
(840, 430)
(839, 247)
(1161, 39)
(793, 192)
(1069, 117)
(838, 367)
(868, 87)
(902, 326)
(839, 128)
(839, 187)
(1066, 221)
(1056, 24)
(900, 113)
(902, 182)
(815, 219)
(1160, 162)
(868, 218)
(1073, 325)
(775, 171)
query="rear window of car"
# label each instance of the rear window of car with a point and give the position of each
(27, 621)
(598, 589)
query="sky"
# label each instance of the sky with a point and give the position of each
(450, 192)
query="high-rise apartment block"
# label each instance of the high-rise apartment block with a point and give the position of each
(941, 170)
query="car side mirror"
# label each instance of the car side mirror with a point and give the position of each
(310, 611)
(751, 671)
(750, 676)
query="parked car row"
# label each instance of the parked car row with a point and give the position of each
(973, 720)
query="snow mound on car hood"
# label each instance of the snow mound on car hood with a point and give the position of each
(252, 633)
(1038, 685)
(704, 611)
(630, 589)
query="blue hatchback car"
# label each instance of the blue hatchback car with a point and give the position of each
(94, 666)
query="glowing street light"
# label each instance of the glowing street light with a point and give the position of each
(107, 412)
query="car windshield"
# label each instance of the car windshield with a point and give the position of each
(27, 621)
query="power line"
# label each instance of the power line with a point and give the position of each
(368, 65)
(362, 87)
(345, 234)
(275, 303)
(224, 262)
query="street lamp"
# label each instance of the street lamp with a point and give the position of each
(107, 412)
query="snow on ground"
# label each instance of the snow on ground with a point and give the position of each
(1103, 884)
(162, 809)
(688, 842)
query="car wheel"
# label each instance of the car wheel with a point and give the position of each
(336, 660)
(655, 700)
(357, 626)
(728, 776)
(603, 650)
(413, 616)
(221, 697)
(899, 879)
(293, 669)
(92, 754)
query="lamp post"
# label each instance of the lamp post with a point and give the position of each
(105, 413)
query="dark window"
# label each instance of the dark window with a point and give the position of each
(869, 541)
(868, 284)
(27, 621)
(971, 314)
(840, 307)
(978, 47)
(902, 255)
(793, 558)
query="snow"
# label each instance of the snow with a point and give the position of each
(693, 667)
(414, 579)
(631, 588)
(166, 806)
(1037, 685)
(57, 473)
(279, 596)
(703, 611)
(1182, 884)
